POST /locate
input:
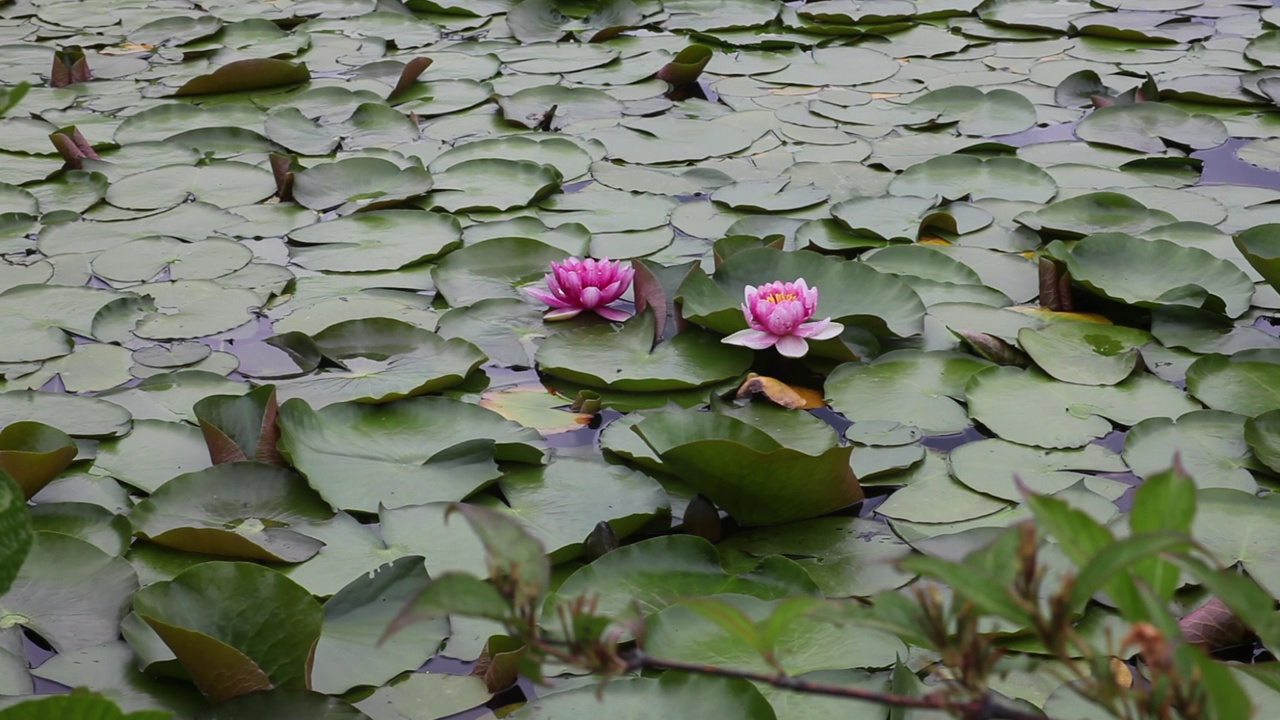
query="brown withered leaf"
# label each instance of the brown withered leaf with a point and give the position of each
(788, 396)
(1121, 671)
(1213, 626)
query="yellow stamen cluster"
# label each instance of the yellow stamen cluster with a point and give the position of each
(780, 297)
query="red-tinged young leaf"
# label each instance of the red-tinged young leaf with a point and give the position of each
(238, 75)
(1213, 626)
(686, 66)
(282, 168)
(1055, 286)
(241, 427)
(1241, 595)
(73, 146)
(409, 75)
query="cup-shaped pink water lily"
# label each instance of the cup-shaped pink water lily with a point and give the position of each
(578, 285)
(777, 313)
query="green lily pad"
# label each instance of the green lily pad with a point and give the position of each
(995, 467)
(493, 269)
(79, 705)
(92, 523)
(358, 183)
(1146, 126)
(561, 503)
(623, 357)
(957, 176)
(1209, 445)
(111, 669)
(1001, 398)
(1106, 213)
(425, 696)
(382, 360)
(805, 645)
(1244, 383)
(36, 319)
(375, 240)
(224, 184)
(33, 454)
(752, 475)
(70, 592)
(154, 453)
(657, 573)
(979, 113)
(910, 387)
(850, 292)
(415, 451)
(933, 500)
(1152, 273)
(1260, 245)
(1263, 435)
(194, 308)
(492, 184)
(238, 510)
(235, 627)
(351, 653)
(846, 557)
(252, 74)
(1240, 527)
(559, 152)
(72, 414)
(1085, 353)
(284, 704)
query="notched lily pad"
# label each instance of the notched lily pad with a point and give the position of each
(623, 357)
(238, 510)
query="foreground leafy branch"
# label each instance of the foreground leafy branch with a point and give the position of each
(1003, 585)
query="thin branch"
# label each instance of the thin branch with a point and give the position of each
(984, 708)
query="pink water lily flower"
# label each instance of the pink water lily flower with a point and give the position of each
(777, 312)
(577, 285)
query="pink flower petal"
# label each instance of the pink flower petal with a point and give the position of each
(590, 297)
(754, 339)
(821, 330)
(792, 346)
(546, 297)
(613, 314)
(564, 314)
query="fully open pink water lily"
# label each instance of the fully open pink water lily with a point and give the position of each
(576, 285)
(777, 312)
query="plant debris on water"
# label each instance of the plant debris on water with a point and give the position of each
(413, 359)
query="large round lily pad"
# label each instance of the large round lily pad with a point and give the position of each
(425, 449)
(752, 475)
(623, 357)
(1068, 415)
(235, 627)
(240, 510)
